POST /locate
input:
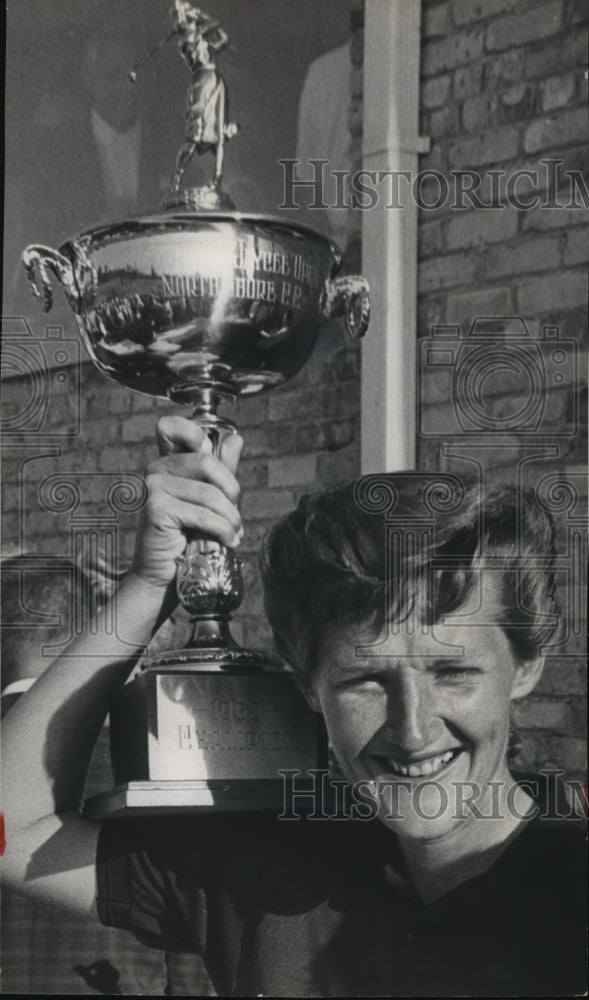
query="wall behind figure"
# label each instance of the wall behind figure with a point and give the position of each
(324, 134)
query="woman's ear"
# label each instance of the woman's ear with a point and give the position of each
(527, 674)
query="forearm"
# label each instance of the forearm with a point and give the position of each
(49, 735)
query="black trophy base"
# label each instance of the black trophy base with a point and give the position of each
(214, 736)
(135, 798)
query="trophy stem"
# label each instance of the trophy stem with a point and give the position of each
(212, 632)
(208, 579)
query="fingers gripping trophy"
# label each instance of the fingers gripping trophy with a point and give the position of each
(202, 304)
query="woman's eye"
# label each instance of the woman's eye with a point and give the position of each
(362, 682)
(457, 673)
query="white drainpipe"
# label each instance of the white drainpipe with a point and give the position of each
(389, 236)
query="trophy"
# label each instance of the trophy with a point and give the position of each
(200, 303)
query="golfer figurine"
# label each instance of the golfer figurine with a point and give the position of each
(201, 39)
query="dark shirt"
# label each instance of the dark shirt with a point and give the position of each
(314, 908)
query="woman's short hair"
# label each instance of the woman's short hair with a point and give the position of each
(367, 550)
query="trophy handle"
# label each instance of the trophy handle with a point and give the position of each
(349, 296)
(38, 260)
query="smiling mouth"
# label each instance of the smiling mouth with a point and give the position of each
(425, 767)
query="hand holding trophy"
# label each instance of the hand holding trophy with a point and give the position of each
(203, 304)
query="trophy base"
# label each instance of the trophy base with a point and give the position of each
(199, 199)
(136, 798)
(217, 658)
(208, 734)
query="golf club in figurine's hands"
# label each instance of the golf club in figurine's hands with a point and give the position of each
(201, 305)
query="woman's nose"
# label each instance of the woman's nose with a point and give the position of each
(412, 719)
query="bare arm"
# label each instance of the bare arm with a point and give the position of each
(48, 738)
(49, 735)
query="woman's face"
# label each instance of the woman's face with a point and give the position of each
(421, 716)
